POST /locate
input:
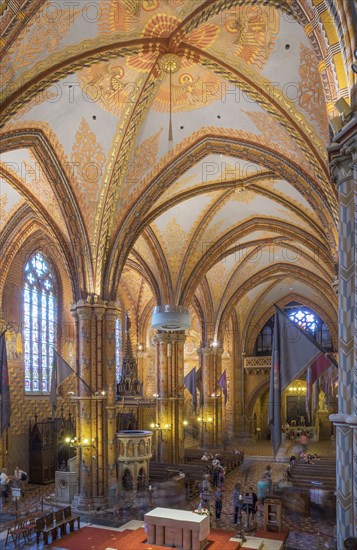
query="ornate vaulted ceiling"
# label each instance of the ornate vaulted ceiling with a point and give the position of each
(236, 211)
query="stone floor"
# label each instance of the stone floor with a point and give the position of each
(315, 531)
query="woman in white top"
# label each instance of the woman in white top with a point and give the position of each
(4, 484)
(19, 477)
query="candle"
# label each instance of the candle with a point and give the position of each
(149, 487)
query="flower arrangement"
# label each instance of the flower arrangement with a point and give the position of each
(202, 511)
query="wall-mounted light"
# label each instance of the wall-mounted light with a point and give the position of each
(155, 426)
(76, 443)
(203, 420)
(343, 108)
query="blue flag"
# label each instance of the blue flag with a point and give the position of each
(189, 382)
(199, 384)
(222, 383)
(4, 386)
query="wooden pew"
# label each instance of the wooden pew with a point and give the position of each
(161, 471)
(230, 461)
(54, 521)
(318, 474)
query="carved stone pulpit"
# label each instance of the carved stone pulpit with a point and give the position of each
(67, 482)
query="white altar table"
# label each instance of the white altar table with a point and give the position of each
(177, 528)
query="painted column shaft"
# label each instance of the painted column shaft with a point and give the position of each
(343, 158)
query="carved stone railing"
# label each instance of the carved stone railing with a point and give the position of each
(257, 364)
(261, 364)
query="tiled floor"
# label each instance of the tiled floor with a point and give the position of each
(314, 532)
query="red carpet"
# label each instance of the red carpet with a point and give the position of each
(92, 538)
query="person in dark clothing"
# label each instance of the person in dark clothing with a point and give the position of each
(251, 507)
(218, 498)
(215, 470)
(235, 497)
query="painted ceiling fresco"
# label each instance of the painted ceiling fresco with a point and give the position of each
(172, 144)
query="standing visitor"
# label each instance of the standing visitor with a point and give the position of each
(235, 498)
(4, 484)
(218, 498)
(267, 477)
(215, 470)
(251, 507)
(304, 440)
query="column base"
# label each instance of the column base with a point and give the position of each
(87, 504)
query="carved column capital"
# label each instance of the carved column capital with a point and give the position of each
(161, 338)
(341, 168)
(83, 310)
(204, 351)
(343, 154)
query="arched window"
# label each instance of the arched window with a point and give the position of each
(118, 349)
(303, 316)
(313, 324)
(40, 312)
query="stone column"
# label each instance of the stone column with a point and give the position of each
(211, 404)
(343, 165)
(91, 415)
(111, 315)
(169, 367)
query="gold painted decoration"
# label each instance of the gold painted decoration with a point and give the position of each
(143, 62)
(218, 277)
(160, 26)
(174, 239)
(151, 5)
(111, 84)
(190, 90)
(33, 178)
(118, 16)
(144, 156)
(271, 130)
(311, 94)
(38, 40)
(250, 32)
(3, 203)
(204, 36)
(88, 160)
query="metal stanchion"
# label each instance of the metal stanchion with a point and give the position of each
(150, 491)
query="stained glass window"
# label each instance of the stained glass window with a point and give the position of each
(118, 349)
(39, 324)
(303, 316)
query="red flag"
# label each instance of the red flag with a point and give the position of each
(320, 365)
(308, 393)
